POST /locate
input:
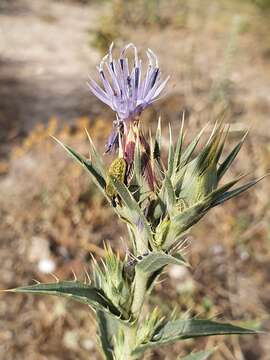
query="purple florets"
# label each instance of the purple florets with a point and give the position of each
(125, 90)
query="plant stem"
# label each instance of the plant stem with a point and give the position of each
(140, 282)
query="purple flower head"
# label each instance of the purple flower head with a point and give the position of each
(125, 89)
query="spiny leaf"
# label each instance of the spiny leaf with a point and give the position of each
(230, 194)
(180, 223)
(95, 157)
(230, 158)
(222, 143)
(108, 327)
(74, 290)
(157, 260)
(186, 329)
(190, 149)
(87, 164)
(216, 194)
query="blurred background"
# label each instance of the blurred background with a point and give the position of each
(52, 218)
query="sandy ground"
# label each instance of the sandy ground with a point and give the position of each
(45, 61)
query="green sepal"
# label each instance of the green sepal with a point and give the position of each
(201, 173)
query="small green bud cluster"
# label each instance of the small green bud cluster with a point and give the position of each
(112, 279)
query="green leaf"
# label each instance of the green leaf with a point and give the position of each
(95, 157)
(230, 158)
(190, 149)
(86, 164)
(180, 223)
(186, 329)
(132, 212)
(200, 355)
(134, 209)
(219, 192)
(74, 290)
(108, 328)
(230, 194)
(157, 260)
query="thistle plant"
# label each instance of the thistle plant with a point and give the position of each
(159, 197)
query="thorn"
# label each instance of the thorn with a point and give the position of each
(36, 281)
(183, 118)
(55, 277)
(88, 276)
(89, 137)
(103, 264)
(93, 257)
(74, 275)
